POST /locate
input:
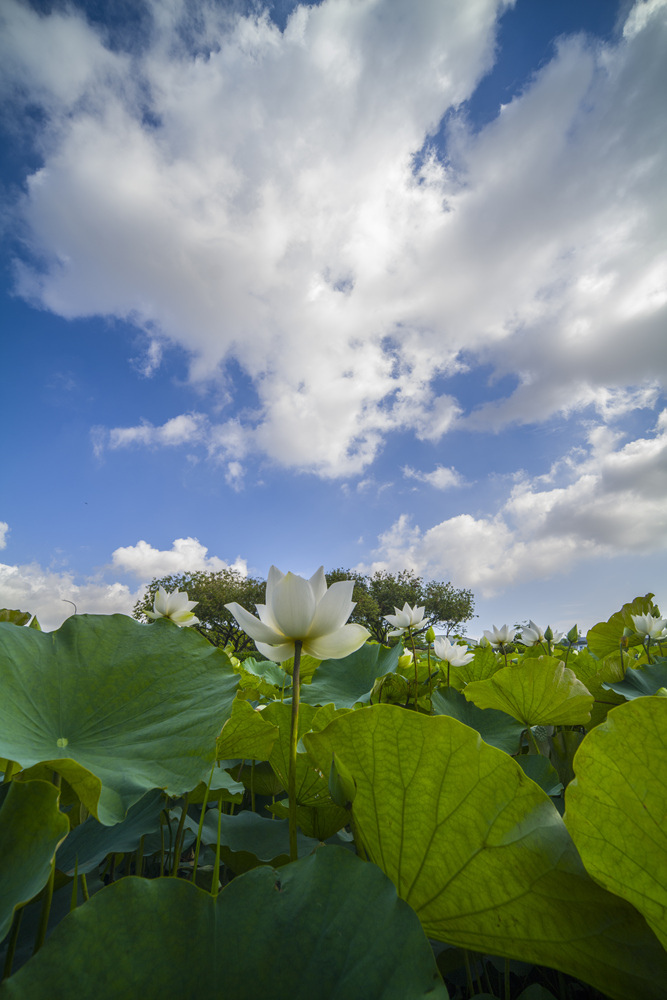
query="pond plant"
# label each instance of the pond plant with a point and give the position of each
(333, 817)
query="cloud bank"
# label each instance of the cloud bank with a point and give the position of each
(276, 198)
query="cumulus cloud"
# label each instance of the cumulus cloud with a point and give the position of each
(440, 478)
(4, 531)
(251, 194)
(50, 595)
(612, 501)
(185, 555)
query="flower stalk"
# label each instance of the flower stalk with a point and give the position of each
(293, 740)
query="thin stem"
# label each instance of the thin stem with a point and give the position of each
(75, 885)
(11, 944)
(139, 858)
(508, 991)
(414, 660)
(471, 988)
(293, 740)
(201, 822)
(180, 836)
(252, 785)
(216, 867)
(84, 887)
(46, 909)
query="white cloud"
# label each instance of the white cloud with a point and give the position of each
(185, 555)
(257, 201)
(612, 503)
(47, 594)
(440, 478)
(4, 531)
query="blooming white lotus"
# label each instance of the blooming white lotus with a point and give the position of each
(499, 636)
(306, 611)
(175, 606)
(405, 619)
(450, 652)
(649, 626)
(532, 634)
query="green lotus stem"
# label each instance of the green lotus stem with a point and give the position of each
(466, 959)
(201, 822)
(75, 885)
(11, 944)
(139, 858)
(84, 887)
(529, 733)
(508, 991)
(161, 845)
(180, 835)
(293, 740)
(252, 785)
(216, 867)
(414, 660)
(46, 909)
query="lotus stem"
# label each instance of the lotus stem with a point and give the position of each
(201, 822)
(180, 834)
(46, 909)
(11, 944)
(293, 740)
(466, 958)
(216, 867)
(75, 885)
(508, 990)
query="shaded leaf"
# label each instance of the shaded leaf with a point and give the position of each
(497, 728)
(641, 681)
(350, 680)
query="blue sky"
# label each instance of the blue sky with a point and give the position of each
(368, 283)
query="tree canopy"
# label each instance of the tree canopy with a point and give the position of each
(376, 595)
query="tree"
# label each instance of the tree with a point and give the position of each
(378, 595)
(212, 591)
(375, 596)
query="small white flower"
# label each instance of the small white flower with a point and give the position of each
(175, 606)
(500, 636)
(649, 626)
(306, 611)
(455, 655)
(405, 619)
(532, 634)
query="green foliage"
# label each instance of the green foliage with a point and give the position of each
(455, 791)
(212, 591)
(379, 594)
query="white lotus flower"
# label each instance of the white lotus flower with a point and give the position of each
(500, 636)
(532, 634)
(175, 606)
(407, 618)
(650, 626)
(455, 655)
(306, 611)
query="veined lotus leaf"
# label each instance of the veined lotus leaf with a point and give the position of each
(91, 841)
(247, 734)
(481, 853)
(350, 679)
(312, 785)
(167, 938)
(616, 808)
(595, 674)
(485, 664)
(641, 681)
(267, 840)
(497, 728)
(604, 639)
(537, 692)
(31, 827)
(133, 707)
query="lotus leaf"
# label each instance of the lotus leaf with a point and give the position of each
(481, 853)
(116, 707)
(167, 938)
(537, 692)
(616, 808)
(350, 680)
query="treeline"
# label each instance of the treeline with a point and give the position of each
(376, 596)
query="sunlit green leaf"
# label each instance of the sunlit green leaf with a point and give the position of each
(480, 852)
(537, 692)
(247, 734)
(616, 808)
(350, 680)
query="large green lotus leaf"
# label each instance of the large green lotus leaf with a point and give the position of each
(641, 681)
(481, 853)
(328, 926)
(31, 827)
(595, 674)
(134, 706)
(485, 664)
(246, 734)
(496, 728)
(616, 807)
(91, 841)
(537, 692)
(350, 680)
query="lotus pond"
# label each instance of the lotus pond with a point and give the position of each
(490, 825)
